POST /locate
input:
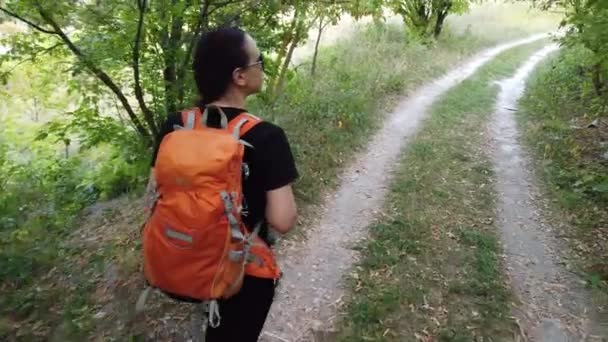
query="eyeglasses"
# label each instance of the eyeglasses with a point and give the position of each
(259, 62)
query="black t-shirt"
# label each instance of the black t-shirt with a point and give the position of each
(271, 163)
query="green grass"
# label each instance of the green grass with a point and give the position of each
(557, 108)
(431, 267)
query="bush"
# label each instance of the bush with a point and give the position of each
(562, 102)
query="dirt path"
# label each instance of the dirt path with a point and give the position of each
(311, 290)
(555, 306)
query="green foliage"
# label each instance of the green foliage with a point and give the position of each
(589, 24)
(586, 22)
(138, 54)
(121, 173)
(42, 191)
(37, 204)
(426, 17)
(562, 98)
(41, 197)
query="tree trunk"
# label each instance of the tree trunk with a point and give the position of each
(313, 68)
(285, 66)
(442, 13)
(194, 35)
(439, 24)
(598, 83)
(36, 111)
(139, 94)
(295, 32)
(173, 43)
(284, 49)
(417, 15)
(169, 76)
(66, 144)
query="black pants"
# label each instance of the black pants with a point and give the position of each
(244, 314)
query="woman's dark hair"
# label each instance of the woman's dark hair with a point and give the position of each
(217, 54)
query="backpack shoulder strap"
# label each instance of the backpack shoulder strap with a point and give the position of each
(191, 118)
(242, 124)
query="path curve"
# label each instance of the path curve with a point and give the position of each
(311, 290)
(555, 306)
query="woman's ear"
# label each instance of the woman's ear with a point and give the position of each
(238, 77)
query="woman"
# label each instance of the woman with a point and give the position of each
(228, 67)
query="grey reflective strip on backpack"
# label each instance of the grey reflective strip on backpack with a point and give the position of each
(223, 117)
(243, 142)
(205, 117)
(211, 316)
(257, 228)
(236, 256)
(236, 133)
(245, 169)
(151, 195)
(250, 242)
(256, 259)
(235, 231)
(141, 300)
(214, 314)
(190, 120)
(178, 235)
(227, 201)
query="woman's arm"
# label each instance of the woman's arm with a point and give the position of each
(281, 210)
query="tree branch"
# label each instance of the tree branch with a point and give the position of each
(97, 72)
(222, 5)
(28, 22)
(181, 72)
(202, 21)
(170, 49)
(120, 115)
(139, 94)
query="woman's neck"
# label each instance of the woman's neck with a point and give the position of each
(231, 99)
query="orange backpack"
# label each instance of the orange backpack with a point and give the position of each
(195, 244)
